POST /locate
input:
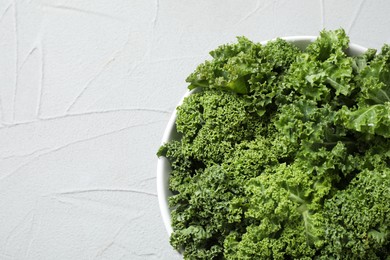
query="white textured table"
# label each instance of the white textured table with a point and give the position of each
(86, 89)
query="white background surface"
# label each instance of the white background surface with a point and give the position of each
(86, 89)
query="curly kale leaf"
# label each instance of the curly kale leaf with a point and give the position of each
(324, 71)
(328, 43)
(357, 219)
(374, 80)
(212, 123)
(374, 119)
(281, 218)
(236, 67)
(200, 213)
(230, 64)
(371, 115)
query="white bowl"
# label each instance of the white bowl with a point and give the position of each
(163, 166)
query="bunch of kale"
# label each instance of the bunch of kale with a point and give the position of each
(284, 153)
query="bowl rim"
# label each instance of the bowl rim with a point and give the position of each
(162, 192)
